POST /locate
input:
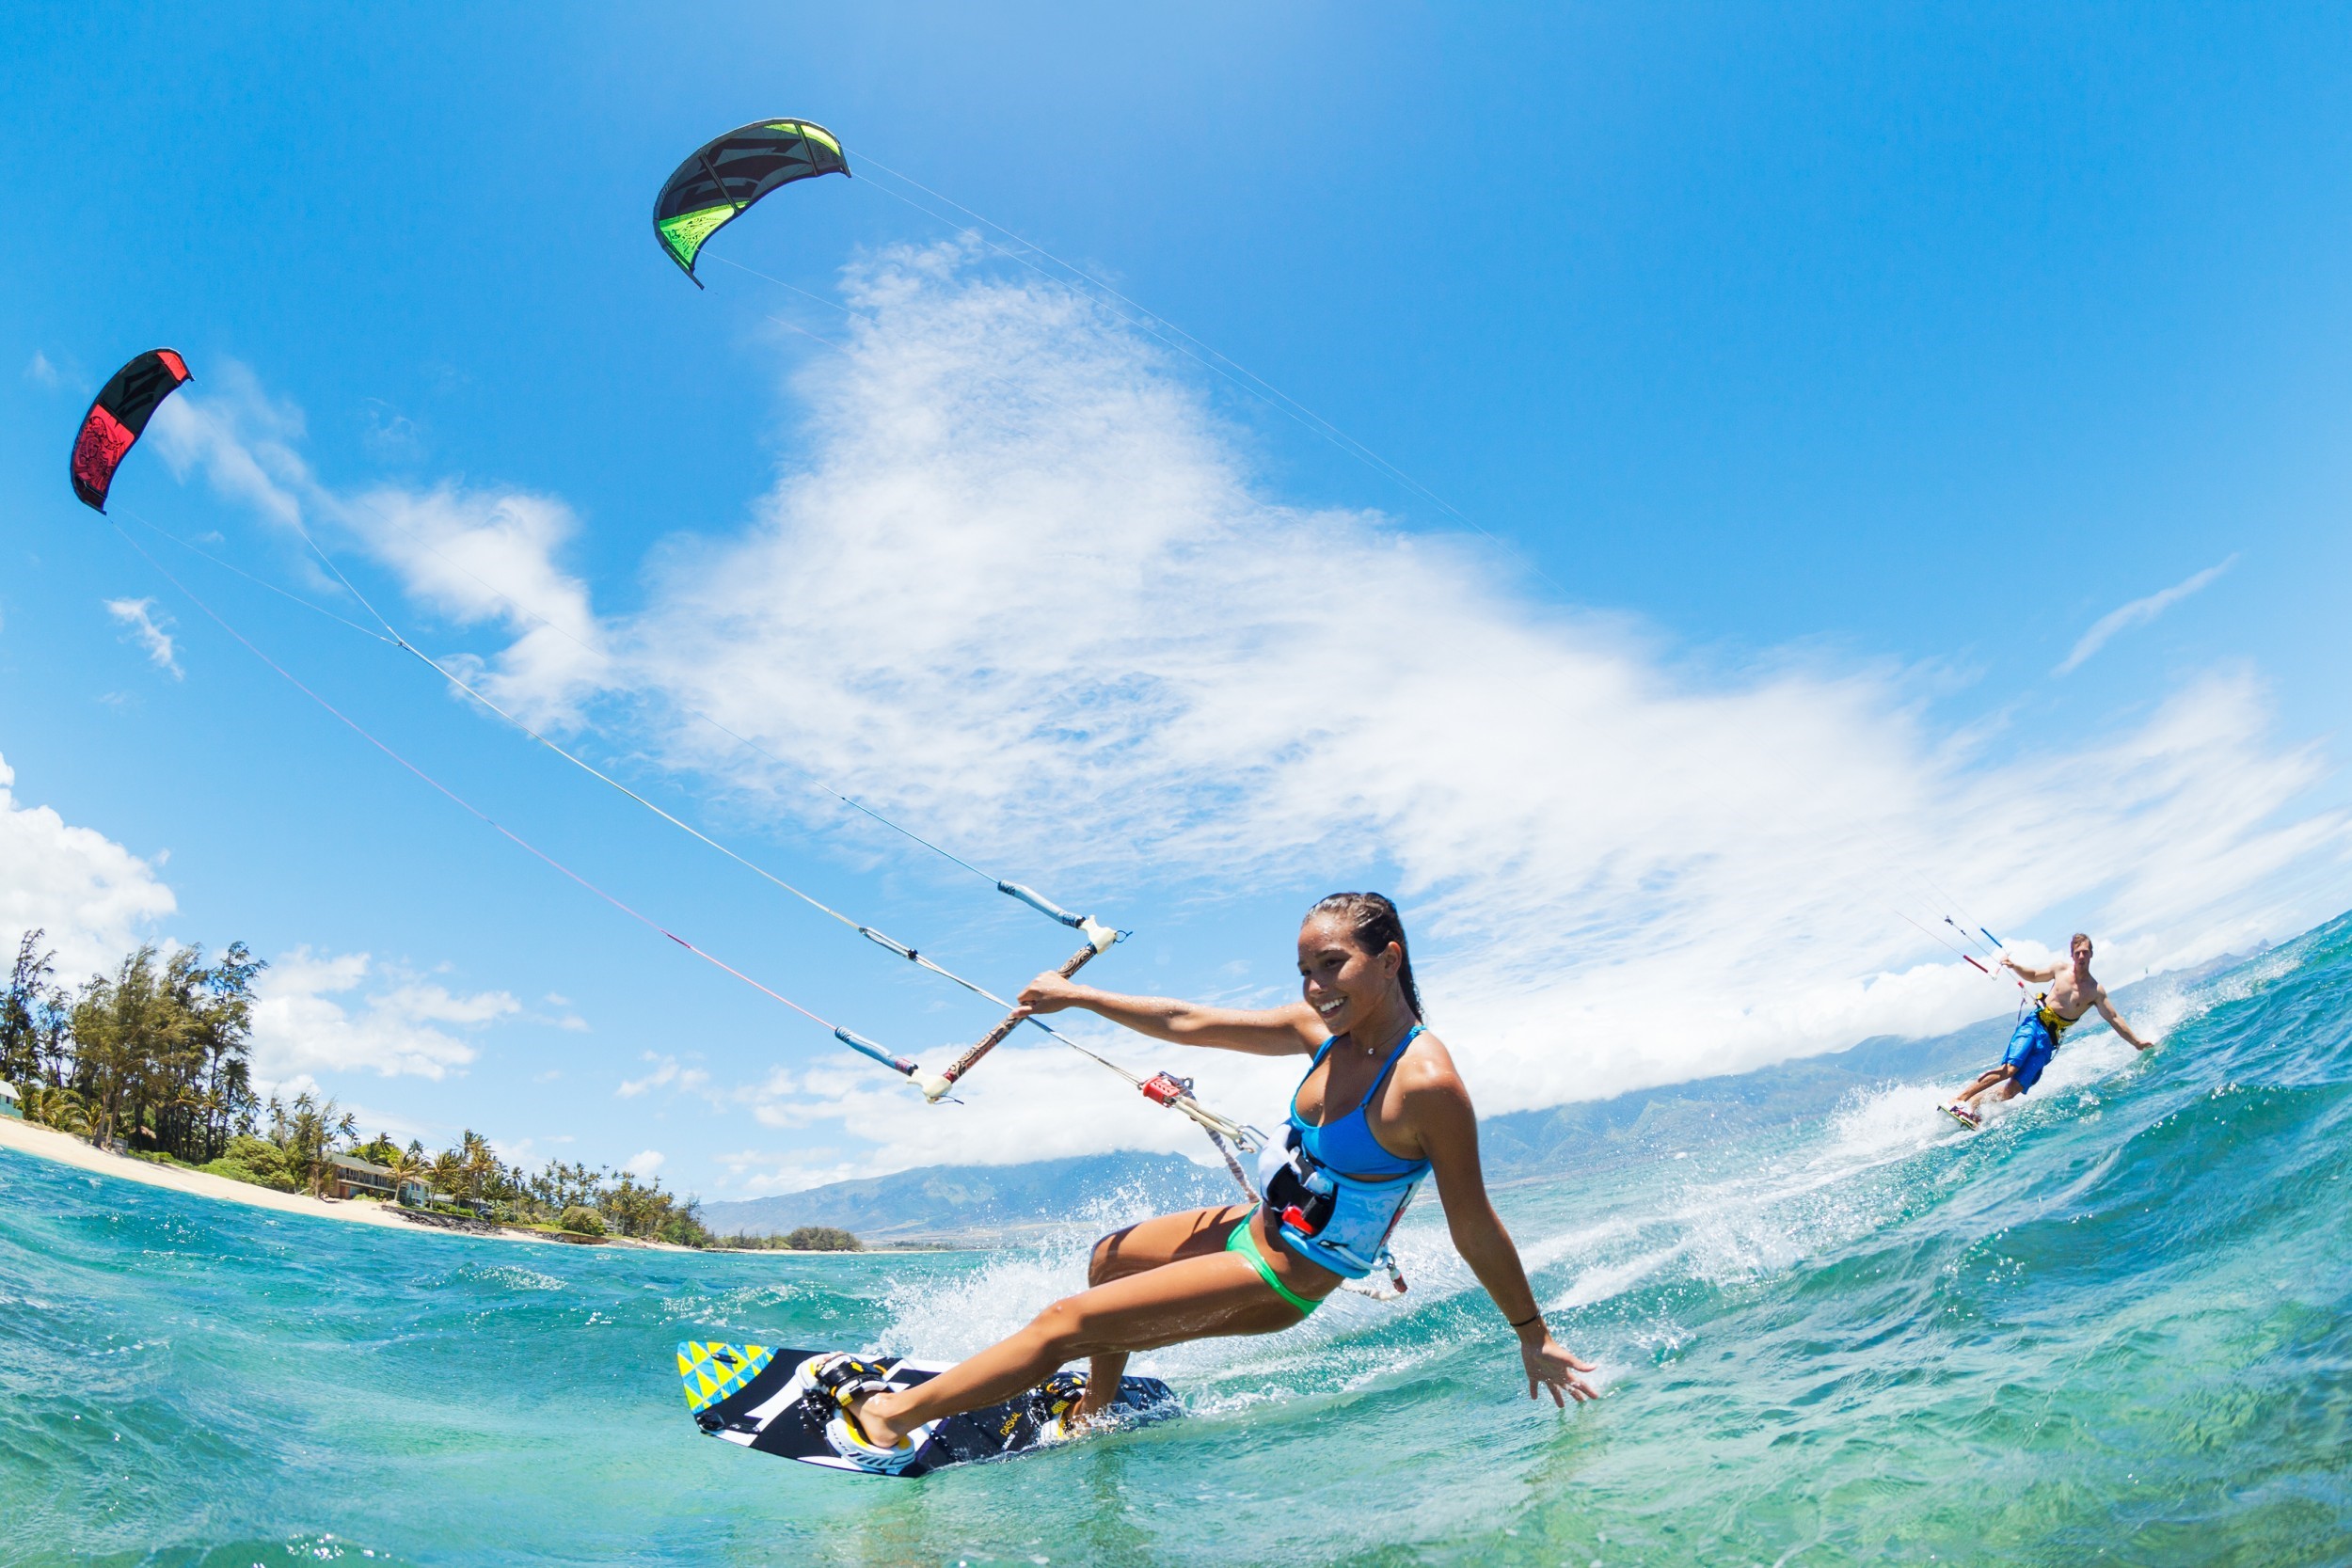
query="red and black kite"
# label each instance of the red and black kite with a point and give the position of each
(118, 416)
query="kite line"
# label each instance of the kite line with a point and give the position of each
(1162, 1088)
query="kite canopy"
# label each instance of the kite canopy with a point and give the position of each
(118, 416)
(725, 177)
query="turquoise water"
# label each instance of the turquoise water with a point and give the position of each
(2115, 1327)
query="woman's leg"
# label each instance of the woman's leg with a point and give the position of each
(1155, 1242)
(1196, 1297)
(1149, 1244)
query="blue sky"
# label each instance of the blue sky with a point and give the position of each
(1818, 384)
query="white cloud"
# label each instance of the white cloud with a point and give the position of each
(39, 372)
(91, 895)
(757, 1173)
(645, 1162)
(240, 439)
(2137, 612)
(469, 557)
(666, 1073)
(300, 1026)
(138, 617)
(450, 546)
(1029, 1103)
(629, 1089)
(1023, 565)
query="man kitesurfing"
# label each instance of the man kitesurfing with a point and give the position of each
(1380, 1106)
(2072, 995)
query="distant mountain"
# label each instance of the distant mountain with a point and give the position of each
(989, 1204)
(979, 1203)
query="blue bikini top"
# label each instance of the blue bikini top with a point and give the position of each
(1346, 1146)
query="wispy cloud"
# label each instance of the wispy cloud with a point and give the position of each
(2137, 612)
(311, 1015)
(138, 617)
(39, 372)
(667, 1073)
(758, 1173)
(1023, 564)
(469, 557)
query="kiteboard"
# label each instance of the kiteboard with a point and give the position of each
(754, 1395)
(1973, 1126)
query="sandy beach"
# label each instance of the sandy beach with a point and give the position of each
(51, 1144)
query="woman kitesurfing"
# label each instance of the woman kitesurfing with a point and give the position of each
(1380, 1106)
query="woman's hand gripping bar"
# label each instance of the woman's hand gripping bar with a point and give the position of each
(1099, 940)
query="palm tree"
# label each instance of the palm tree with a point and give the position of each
(446, 1170)
(476, 1161)
(408, 1166)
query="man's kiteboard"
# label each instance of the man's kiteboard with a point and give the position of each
(755, 1396)
(1974, 1124)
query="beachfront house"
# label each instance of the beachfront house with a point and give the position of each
(352, 1177)
(9, 1107)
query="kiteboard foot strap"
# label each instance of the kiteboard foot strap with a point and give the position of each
(1057, 1403)
(837, 1380)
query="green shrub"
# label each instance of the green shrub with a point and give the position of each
(582, 1221)
(277, 1181)
(256, 1155)
(254, 1160)
(823, 1238)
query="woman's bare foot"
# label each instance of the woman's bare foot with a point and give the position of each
(872, 1415)
(1094, 1409)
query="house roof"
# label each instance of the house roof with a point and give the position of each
(352, 1162)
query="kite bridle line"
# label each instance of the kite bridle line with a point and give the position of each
(392, 634)
(855, 1041)
(1100, 937)
(1021, 891)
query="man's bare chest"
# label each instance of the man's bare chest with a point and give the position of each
(2069, 998)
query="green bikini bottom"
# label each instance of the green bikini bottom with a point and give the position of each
(1242, 1241)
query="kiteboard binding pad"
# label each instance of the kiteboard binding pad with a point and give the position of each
(762, 1398)
(1951, 1108)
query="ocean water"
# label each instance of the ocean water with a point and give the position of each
(2115, 1327)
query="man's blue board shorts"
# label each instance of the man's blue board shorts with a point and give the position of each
(2029, 1050)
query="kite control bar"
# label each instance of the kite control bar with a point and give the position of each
(1099, 940)
(1161, 1088)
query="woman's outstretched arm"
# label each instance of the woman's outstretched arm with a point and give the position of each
(1288, 1031)
(1439, 1108)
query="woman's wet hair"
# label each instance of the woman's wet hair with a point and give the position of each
(1373, 921)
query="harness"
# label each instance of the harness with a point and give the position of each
(2052, 1019)
(1338, 1221)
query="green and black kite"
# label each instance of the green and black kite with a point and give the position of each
(727, 176)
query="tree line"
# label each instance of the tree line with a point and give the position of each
(808, 1238)
(155, 1055)
(155, 1058)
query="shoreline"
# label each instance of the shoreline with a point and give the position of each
(47, 1143)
